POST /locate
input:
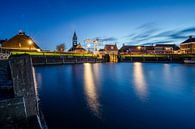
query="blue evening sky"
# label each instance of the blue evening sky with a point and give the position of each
(51, 22)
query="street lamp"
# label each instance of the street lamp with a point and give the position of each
(139, 47)
(30, 42)
(95, 42)
(88, 46)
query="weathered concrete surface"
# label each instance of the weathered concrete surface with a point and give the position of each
(52, 60)
(5, 75)
(21, 111)
(24, 83)
(12, 109)
(22, 76)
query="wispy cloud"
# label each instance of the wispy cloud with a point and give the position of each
(108, 39)
(143, 33)
(150, 33)
(188, 30)
(158, 42)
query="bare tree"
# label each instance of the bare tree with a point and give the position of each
(60, 47)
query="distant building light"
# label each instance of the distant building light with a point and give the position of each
(139, 47)
(30, 42)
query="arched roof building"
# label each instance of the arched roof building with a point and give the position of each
(20, 42)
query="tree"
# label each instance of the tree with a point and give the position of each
(60, 47)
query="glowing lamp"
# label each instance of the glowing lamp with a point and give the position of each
(30, 42)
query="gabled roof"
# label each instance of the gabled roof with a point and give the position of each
(110, 47)
(165, 45)
(174, 46)
(189, 40)
(20, 41)
(127, 47)
(101, 50)
(124, 48)
(77, 47)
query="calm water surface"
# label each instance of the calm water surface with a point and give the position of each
(118, 96)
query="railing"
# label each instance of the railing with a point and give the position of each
(4, 56)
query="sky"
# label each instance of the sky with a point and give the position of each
(129, 22)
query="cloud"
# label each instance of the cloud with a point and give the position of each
(146, 26)
(143, 30)
(158, 42)
(106, 39)
(151, 34)
(109, 39)
(143, 33)
(188, 30)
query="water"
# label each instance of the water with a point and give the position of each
(118, 96)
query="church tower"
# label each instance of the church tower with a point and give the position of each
(74, 39)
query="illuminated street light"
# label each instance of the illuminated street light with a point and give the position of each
(88, 46)
(139, 47)
(30, 42)
(95, 42)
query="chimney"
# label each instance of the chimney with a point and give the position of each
(190, 37)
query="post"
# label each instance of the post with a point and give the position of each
(24, 83)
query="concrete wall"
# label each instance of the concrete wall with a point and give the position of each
(24, 103)
(23, 82)
(12, 110)
(47, 60)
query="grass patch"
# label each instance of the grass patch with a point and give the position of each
(51, 54)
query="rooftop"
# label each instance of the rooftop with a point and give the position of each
(109, 47)
(189, 40)
(20, 41)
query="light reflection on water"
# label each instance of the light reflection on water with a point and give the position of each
(167, 72)
(90, 90)
(115, 96)
(139, 80)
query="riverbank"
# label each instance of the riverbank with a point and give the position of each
(49, 58)
(156, 58)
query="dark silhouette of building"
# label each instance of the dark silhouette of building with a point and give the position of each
(76, 47)
(74, 39)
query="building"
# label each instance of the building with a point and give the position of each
(156, 49)
(136, 49)
(111, 51)
(131, 49)
(76, 47)
(20, 42)
(188, 46)
(1, 42)
(166, 48)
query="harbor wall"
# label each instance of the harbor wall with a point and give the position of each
(21, 110)
(49, 60)
(168, 58)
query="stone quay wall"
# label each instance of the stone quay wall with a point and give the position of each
(22, 110)
(50, 60)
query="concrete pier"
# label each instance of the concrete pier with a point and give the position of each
(21, 110)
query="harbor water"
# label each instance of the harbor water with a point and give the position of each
(117, 96)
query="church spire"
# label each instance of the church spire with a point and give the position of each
(74, 39)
